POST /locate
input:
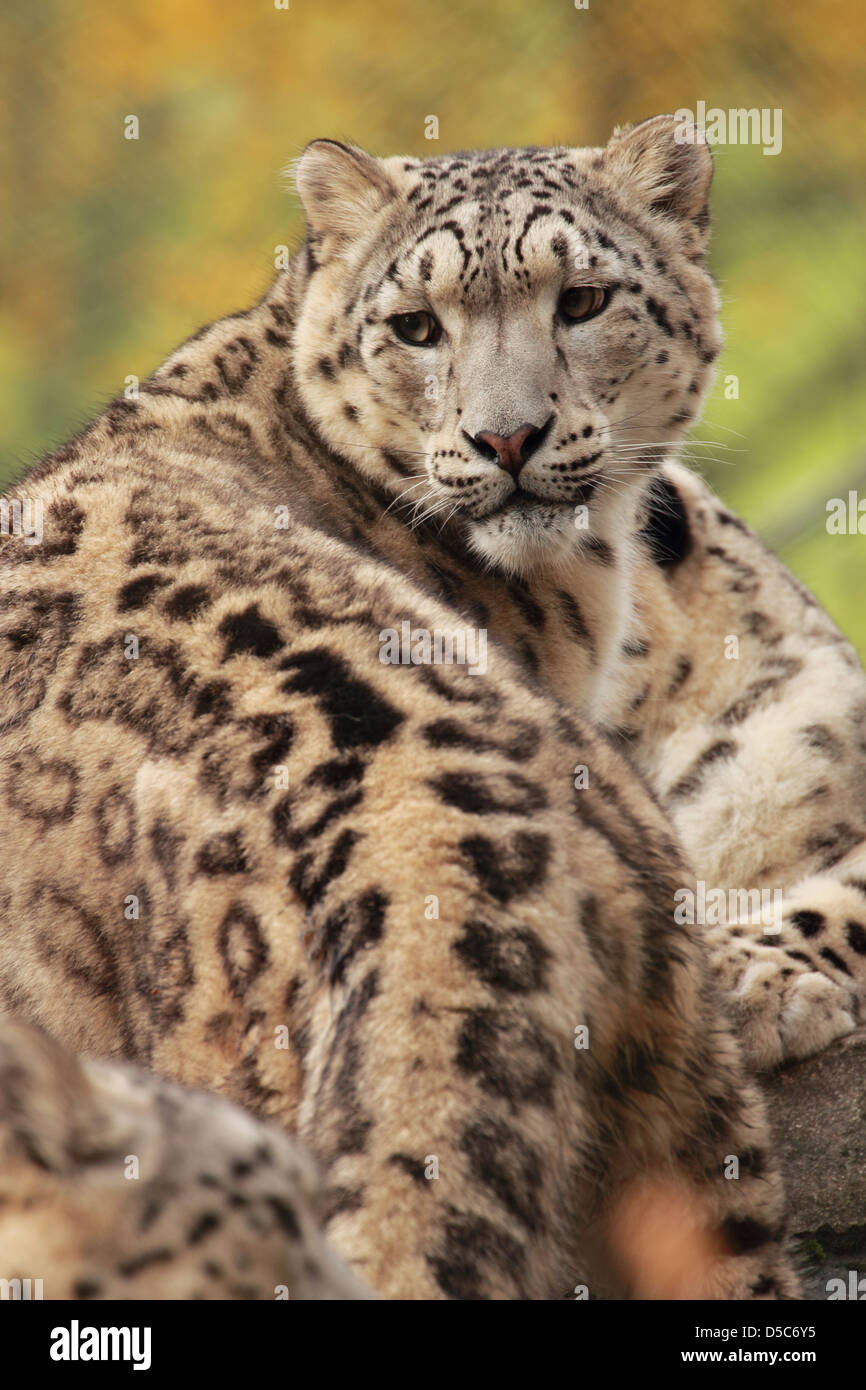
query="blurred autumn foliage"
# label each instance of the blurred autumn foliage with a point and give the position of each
(113, 250)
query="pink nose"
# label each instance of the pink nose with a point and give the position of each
(511, 450)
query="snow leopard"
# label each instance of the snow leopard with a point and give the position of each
(369, 706)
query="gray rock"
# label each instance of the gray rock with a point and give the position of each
(818, 1112)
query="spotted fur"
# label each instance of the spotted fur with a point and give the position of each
(760, 759)
(228, 823)
(117, 1185)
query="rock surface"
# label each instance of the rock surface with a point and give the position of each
(818, 1113)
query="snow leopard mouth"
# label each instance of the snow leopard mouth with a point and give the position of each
(521, 505)
(524, 515)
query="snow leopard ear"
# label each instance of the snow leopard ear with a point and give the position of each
(45, 1104)
(54, 1116)
(666, 162)
(341, 188)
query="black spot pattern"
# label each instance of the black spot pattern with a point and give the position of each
(358, 715)
(511, 867)
(249, 632)
(223, 854)
(242, 947)
(347, 929)
(511, 959)
(692, 780)
(504, 1163)
(470, 1248)
(666, 531)
(481, 795)
(509, 1056)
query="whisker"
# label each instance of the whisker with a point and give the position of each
(441, 504)
(380, 449)
(685, 444)
(401, 495)
(455, 508)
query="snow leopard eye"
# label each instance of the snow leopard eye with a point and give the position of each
(583, 303)
(419, 330)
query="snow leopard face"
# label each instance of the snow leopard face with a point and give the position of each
(520, 334)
